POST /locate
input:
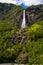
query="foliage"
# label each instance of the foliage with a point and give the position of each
(35, 52)
(32, 45)
(35, 31)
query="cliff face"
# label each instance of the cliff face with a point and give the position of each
(4, 9)
(15, 14)
(21, 45)
(33, 14)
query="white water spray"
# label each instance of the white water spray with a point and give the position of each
(24, 21)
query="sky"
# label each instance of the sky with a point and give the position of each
(24, 2)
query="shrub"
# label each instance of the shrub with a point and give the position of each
(34, 32)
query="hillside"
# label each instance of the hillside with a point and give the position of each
(19, 45)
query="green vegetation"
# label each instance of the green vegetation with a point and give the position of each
(33, 48)
(32, 45)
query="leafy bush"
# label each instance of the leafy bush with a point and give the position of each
(34, 32)
(35, 51)
(32, 45)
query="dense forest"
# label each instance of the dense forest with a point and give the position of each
(17, 45)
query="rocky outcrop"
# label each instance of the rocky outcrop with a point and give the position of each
(19, 37)
(4, 9)
(33, 14)
(21, 59)
(14, 15)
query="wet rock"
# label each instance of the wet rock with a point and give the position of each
(22, 59)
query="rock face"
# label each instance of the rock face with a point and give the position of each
(15, 14)
(4, 9)
(19, 37)
(21, 59)
(33, 14)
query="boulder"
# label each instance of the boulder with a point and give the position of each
(21, 59)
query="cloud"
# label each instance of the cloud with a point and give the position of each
(26, 2)
(8, 1)
(32, 2)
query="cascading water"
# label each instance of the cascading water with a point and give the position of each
(24, 21)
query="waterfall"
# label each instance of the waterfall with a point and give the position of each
(24, 21)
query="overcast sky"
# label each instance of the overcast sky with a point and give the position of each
(26, 2)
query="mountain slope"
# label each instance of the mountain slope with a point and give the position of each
(21, 45)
